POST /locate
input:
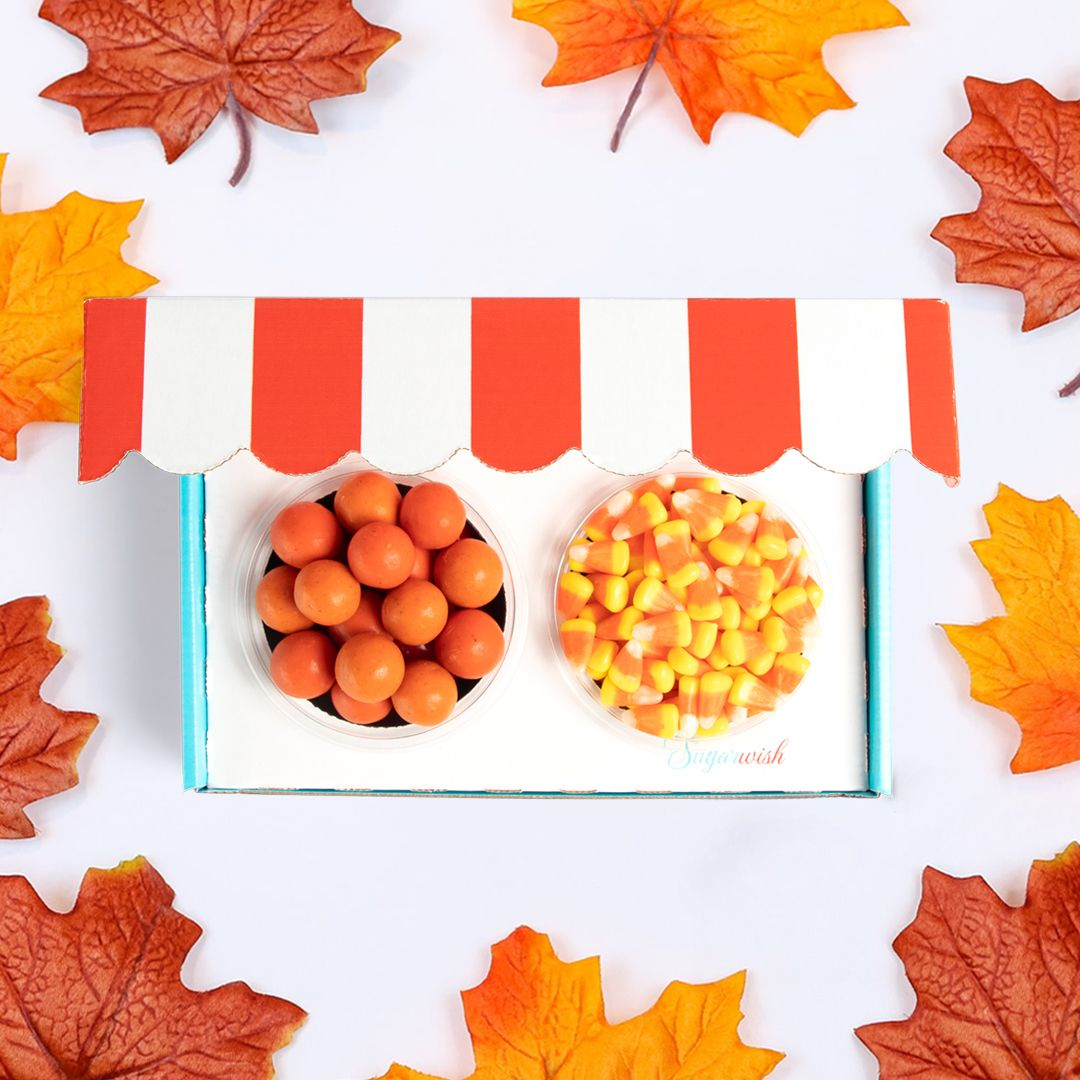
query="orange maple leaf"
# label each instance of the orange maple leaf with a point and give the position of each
(1027, 662)
(172, 65)
(996, 985)
(50, 262)
(97, 992)
(537, 1018)
(39, 743)
(754, 56)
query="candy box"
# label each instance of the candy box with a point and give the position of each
(688, 501)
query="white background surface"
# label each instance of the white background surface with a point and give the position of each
(457, 174)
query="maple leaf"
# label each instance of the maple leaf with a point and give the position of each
(173, 65)
(754, 56)
(1027, 662)
(50, 262)
(997, 986)
(39, 743)
(1022, 147)
(97, 993)
(537, 1018)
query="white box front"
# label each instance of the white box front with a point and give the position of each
(532, 731)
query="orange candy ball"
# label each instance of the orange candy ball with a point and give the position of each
(326, 592)
(415, 612)
(469, 573)
(432, 514)
(422, 563)
(275, 604)
(369, 667)
(368, 618)
(471, 645)
(427, 694)
(302, 664)
(358, 712)
(304, 532)
(365, 497)
(381, 555)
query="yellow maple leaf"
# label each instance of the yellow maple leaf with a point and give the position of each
(50, 262)
(1027, 662)
(761, 57)
(537, 1018)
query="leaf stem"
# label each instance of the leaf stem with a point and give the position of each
(242, 123)
(1070, 387)
(636, 92)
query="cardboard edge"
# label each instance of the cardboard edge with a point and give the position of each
(193, 630)
(877, 500)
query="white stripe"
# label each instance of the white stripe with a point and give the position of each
(197, 381)
(853, 387)
(417, 397)
(635, 382)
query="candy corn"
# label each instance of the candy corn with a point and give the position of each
(738, 646)
(705, 512)
(788, 671)
(748, 691)
(613, 697)
(600, 659)
(687, 607)
(670, 628)
(660, 720)
(689, 692)
(704, 640)
(574, 593)
(730, 613)
(703, 602)
(754, 583)
(784, 567)
(599, 526)
(780, 636)
(794, 607)
(602, 556)
(733, 543)
(652, 596)
(658, 674)
(713, 690)
(646, 513)
(626, 668)
(611, 591)
(770, 541)
(577, 636)
(620, 627)
(673, 549)
(685, 663)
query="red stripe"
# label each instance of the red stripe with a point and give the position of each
(305, 395)
(526, 381)
(930, 386)
(112, 384)
(744, 382)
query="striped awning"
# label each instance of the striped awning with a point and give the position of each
(188, 382)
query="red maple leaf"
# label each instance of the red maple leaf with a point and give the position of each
(39, 743)
(96, 993)
(1022, 147)
(998, 987)
(173, 65)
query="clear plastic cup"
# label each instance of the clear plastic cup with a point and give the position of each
(258, 640)
(618, 719)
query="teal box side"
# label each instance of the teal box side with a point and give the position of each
(193, 628)
(878, 515)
